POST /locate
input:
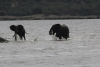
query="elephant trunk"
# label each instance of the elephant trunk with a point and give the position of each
(50, 32)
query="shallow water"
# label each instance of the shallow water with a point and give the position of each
(82, 49)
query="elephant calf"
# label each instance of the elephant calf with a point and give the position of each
(60, 31)
(2, 40)
(19, 30)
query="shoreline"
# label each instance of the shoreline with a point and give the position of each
(47, 17)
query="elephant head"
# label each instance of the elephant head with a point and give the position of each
(55, 29)
(13, 28)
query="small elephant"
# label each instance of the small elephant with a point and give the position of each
(19, 29)
(60, 31)
(2, 40)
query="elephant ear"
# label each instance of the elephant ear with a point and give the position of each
(13, 27)
(57, 27)
(54, 29)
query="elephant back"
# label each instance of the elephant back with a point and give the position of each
(20, 27)
(64, 28)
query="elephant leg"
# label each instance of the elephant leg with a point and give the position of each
(67, 35)
(20, 37)
(24, 37)
(60, 37)
(66, 38)
(15, 38)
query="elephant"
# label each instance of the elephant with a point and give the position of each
(2, 40)
(19, 30)
(59, 31)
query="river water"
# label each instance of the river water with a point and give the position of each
(82, 49)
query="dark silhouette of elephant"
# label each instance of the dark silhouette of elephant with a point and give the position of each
(2, 40)
(59, 31)
(19, 30)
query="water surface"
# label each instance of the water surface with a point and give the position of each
(82, 49)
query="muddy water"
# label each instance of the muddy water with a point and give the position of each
(82, 49)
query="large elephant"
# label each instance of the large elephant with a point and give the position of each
(59, 31)
(19, 30)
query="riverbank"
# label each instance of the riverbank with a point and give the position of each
(46, 17)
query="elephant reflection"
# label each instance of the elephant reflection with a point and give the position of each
(19, 30)
(60, 31)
